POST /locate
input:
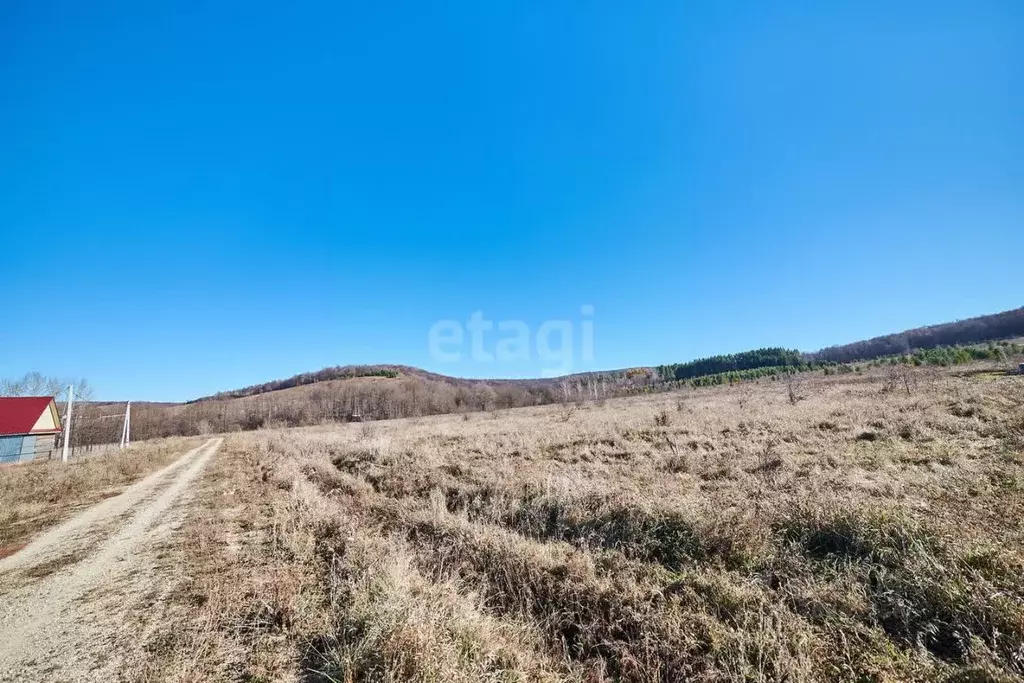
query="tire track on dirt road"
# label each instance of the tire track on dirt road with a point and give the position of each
(63, 597)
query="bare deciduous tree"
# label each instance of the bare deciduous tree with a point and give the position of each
(38, 384)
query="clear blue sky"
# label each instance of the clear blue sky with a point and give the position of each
(196, 196)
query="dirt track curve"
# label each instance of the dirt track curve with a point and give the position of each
(63, 597)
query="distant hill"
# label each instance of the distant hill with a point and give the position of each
(1005, 325)
(372, 392)
(984, 328)
(340, 372)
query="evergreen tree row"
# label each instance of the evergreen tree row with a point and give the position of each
(735, 362)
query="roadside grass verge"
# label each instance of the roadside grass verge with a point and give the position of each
(38, 495)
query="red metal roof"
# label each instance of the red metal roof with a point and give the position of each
(19, 414)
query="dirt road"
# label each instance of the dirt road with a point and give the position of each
(63, 597)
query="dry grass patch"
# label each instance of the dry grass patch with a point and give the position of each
(37, 495)
(726, 534)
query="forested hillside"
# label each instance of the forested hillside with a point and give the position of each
(324, 375)
(377, 392)
(984, 328)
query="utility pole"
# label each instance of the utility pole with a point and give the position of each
(126, 427)
(67, 417)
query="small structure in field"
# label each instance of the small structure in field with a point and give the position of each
(29, 426)
(1020, 369)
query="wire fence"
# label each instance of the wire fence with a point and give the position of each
(41, 453)
(95, 429)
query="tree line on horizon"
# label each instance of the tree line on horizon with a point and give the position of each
(944, 356)
(407, 392)
(771, 361)
(323, 375)
(733, 362)
(997, 326)
(738, 366)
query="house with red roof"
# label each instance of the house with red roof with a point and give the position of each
(29, 426)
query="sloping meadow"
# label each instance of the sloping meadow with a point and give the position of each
(847, 532)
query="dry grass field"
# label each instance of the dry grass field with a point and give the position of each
(850, 532)
(37, 495)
